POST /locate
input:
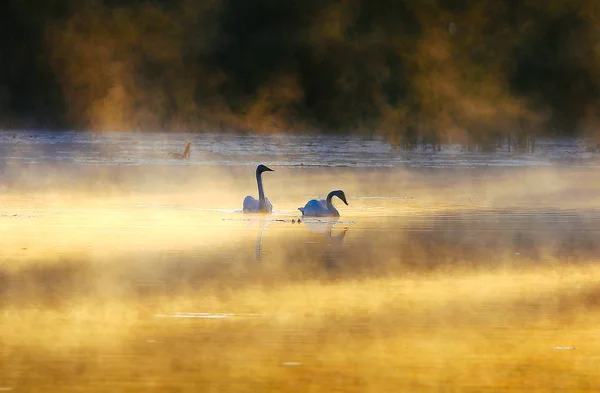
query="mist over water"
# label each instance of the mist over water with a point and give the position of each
(122, 268)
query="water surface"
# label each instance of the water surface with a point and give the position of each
(124, 270)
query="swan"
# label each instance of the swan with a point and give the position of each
(323, 208)
(262, 205)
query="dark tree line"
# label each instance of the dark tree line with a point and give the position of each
(434, 70)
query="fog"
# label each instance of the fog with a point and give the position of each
(142, 274)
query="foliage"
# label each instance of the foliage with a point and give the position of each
(437, 70)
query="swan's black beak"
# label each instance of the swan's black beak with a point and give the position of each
(263, 168)
(343, 198)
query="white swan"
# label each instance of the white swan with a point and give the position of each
(262, 205)
(323, 208)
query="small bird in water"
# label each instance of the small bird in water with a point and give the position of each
(262, 205)
(323, 207)
(183, 156)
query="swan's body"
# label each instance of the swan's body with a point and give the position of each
(252, 204)
(262, 204)
(323, 207)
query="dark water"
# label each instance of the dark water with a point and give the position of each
(153, 148)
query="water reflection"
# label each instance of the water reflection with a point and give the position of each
(263, 223)
(134, 148)
(331, 232)
(334, 236)
(223, 253)
(180, 287)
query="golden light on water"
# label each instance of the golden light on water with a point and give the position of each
(416, 287)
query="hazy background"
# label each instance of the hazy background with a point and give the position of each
(444, 70)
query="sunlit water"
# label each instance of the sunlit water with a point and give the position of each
(124, 270)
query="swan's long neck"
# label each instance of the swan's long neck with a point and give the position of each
(330, 206)
(261, 193)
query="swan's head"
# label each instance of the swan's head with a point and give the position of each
(340, 194)
(263, 168)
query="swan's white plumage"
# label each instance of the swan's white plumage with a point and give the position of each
(252, 204)
(262, 204)
(316, 208)
(323, 207)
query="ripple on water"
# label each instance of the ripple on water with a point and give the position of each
(206, 315)
(151, 148)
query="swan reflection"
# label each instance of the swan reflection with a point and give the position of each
(258, 249)
(328, 227)
(330, 232)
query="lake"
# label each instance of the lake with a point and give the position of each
(122, 269)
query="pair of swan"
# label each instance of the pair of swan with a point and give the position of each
(313, 208)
